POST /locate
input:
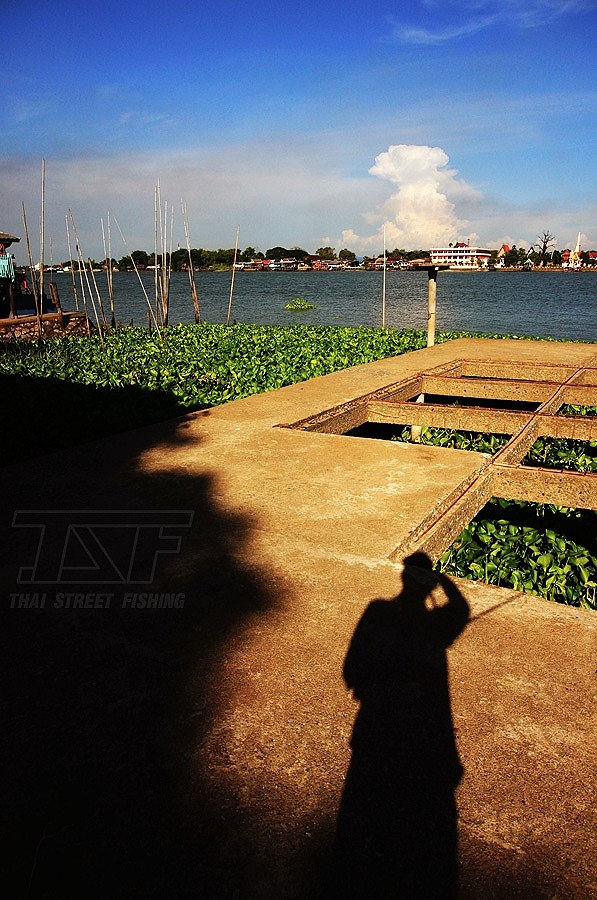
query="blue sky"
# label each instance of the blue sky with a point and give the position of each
(304, 124)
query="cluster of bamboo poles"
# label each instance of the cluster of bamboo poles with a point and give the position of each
(87, 290)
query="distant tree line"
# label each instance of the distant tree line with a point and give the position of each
(224, 258)
(539, 254)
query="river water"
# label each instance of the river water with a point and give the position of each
(541, 304)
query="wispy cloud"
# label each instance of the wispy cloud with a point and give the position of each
(463, 19)
(140, 119)
(450, 33)
(23, 110)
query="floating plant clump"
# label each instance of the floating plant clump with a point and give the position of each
(298, 304)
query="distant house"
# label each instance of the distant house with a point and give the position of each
(460, 256)
(501, 255)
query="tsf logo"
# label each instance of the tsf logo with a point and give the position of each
(100, 546)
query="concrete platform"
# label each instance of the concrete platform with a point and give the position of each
(202, 751)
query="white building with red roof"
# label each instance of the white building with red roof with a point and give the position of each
(460, 256)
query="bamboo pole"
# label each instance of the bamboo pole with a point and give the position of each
(72, 269)
(111, 271)
(32, 272)
(108, 261)
(97, 293)
(155, 247)
(83, 268)
(165, 272)
(56, 302)
(191, 270)
(233, 272)
(167, 268)
(84, 297)
(150, 310)
(83, 294)
(163, 227)
(383, 290)
(170, 257)
(42, 233)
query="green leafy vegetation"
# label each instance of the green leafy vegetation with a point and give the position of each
(539, 549)
(299, 303)
(570, 410)
(57, 393)
(560, 453)
(545, 550)
(458, 440)
(62, 392)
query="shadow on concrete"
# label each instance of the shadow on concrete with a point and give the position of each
(44, 415)
(397, 824)
(108, 795)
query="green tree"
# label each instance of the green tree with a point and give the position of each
(277, 253)
(249, 253)
(179, 260)
(209, 258)
(198, 258)
(347, 255)
(299, 254)
(225, 257)
(142, 258)
(511, 257)
(326, 253)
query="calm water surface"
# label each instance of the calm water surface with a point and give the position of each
(556, 304)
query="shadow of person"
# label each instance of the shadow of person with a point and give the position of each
(396, 832)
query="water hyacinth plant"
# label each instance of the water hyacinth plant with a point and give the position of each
(299, 304)
(510, 544)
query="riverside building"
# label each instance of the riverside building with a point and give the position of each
(460, 256)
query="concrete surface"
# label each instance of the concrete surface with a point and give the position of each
(203, 751)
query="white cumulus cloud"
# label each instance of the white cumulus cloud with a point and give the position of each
(422, 211)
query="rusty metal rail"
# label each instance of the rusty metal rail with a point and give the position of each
(550, 387)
